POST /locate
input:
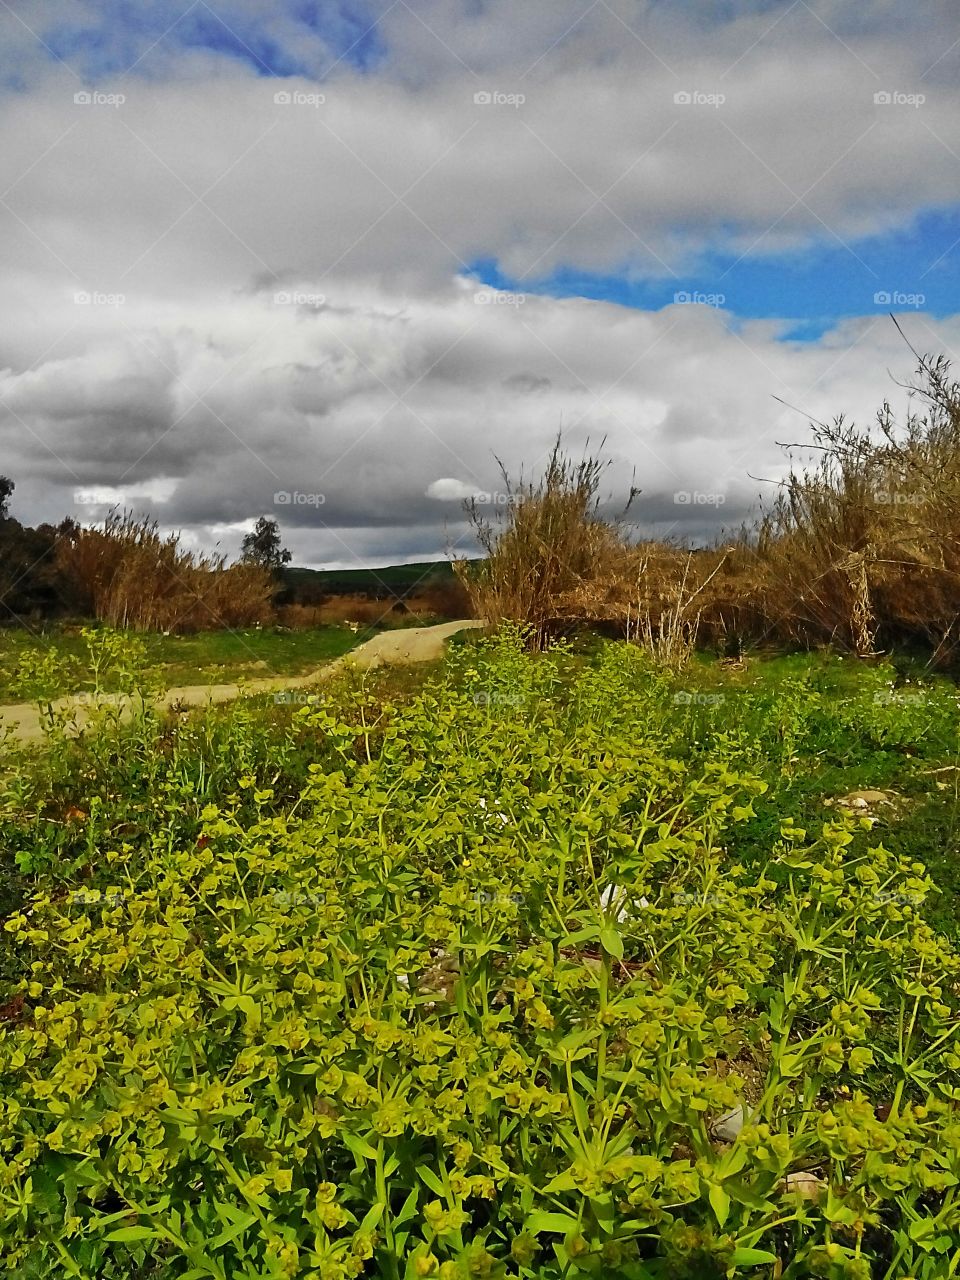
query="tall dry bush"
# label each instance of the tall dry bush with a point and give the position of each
(671, 594)
(127, 574)
(554, 562)
(811, 551)
(863, 548)
(542, 550)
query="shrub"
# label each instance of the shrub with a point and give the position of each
(441, 598)
(29, 583)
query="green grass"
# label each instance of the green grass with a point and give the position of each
(845, 741)
(209, 657)
(197, 659)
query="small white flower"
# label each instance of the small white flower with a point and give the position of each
(502, 816)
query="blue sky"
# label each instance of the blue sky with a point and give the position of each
(103, 39)
(914, 269)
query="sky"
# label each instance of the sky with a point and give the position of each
(334, 263)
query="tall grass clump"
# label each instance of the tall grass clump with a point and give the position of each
(553, 561)
(666, 613)
(127, 574)
(544, 551)
(862, 547)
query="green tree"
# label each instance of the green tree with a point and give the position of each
(262, 546)
(6, 489)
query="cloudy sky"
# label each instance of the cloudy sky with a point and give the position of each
(329, 261)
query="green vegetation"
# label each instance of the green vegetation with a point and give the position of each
(64, 660)
(388, 580)
(467, 979)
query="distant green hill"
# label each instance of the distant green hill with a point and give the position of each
(378, 583)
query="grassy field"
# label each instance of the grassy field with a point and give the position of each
(61, 660)
(512, 966)
(842, 727)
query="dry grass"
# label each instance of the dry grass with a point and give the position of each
(546, 549)
(127, 574)
(441, 600)
(553, 563)
(861, 549)
(336, 610)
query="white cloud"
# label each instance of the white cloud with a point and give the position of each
(448, 489)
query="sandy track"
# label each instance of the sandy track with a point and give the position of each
(389, 648)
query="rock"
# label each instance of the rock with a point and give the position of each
(728, 1126)
(864, 803)
(807, 1185)
(440, 979)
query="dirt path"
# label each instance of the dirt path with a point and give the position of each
(389, 648)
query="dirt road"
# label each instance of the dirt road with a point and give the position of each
(389, 648)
